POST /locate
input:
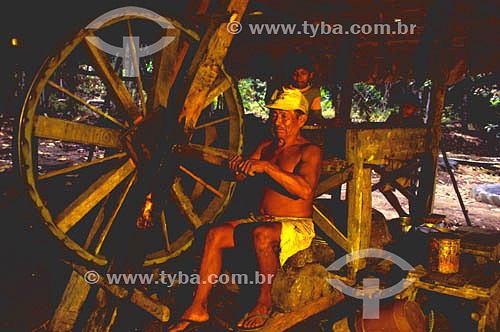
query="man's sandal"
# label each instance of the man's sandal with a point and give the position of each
(192, 326)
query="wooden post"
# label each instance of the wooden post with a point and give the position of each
(439, 76)
(359, 201)
(67, 311)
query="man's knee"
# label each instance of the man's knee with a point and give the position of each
(219, 236)
(265, 236)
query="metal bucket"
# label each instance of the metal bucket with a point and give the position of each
(444, 253)
(397, 316)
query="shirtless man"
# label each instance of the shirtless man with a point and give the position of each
(291, 165)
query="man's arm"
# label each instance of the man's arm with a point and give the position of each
(303, 184)
(236, 162)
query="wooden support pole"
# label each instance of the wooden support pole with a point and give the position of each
(455, 186)
(440, 25)
(359, 201)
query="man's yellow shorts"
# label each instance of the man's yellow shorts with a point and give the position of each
(296, 233)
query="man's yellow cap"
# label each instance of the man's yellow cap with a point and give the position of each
(290, 100)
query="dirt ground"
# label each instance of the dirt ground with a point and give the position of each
(446, 203)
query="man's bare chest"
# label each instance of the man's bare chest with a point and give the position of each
(287, 159)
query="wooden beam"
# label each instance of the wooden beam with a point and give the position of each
(439, 75)
(359, 201)
(72, 300)
(283, 321)
(206, 66)
(137, 297)
(334, 181)
(327, 226)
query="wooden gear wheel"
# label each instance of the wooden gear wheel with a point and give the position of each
(79, 194)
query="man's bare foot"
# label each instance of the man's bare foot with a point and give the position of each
(188, 317)
(250, 321)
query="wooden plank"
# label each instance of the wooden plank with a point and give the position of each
(72, 300)
(137, 297)
(334, 181)
(206, 66)
(441, 23)
(283, 321)
(327, 226)
(74, 212)
(391, 143)
(359, 202)
(68, 131)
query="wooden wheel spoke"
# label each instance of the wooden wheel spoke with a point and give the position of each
(84, 103)
(74, 212)
(117, 206)
(97, 223)
(184, 204)
(201, 181)
(75, 132)
(137, 68)
(197, 191)
(167, 63)
(70, 169)
(164, 230)
(115, 85)
(214, 122)
(209, 154)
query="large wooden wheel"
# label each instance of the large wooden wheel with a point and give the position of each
(78, 194)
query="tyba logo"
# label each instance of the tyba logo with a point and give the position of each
(370, 293)
(129, 44)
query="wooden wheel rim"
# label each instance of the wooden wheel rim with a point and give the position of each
(26, 135)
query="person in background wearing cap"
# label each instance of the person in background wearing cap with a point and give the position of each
(407, 117)
(290, 167)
